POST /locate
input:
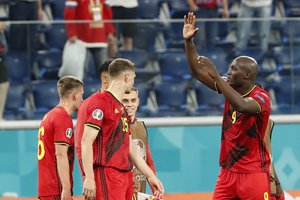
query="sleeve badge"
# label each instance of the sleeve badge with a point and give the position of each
(97, 114)
(69, 133)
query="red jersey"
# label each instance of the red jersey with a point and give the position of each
(242, 147)
(211, 4)
(104, 112)
(55, 128)
(92, 33)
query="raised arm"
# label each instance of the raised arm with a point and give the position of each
(197, 68)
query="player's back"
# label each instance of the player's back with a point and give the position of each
(50, 133)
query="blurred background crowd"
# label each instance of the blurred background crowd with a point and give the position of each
(35, 33)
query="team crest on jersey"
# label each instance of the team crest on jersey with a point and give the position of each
(69, 133)
(261, 98)
(97, 114)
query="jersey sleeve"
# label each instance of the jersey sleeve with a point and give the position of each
(263, 99)
(95, 114)
(63, 130)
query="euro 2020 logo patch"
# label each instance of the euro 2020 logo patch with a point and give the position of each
(69, 133)
(97, 114)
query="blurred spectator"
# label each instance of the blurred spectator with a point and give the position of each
(3, 70)
(250, 9)
(22, 37)
(125, 9)
(96, 35)
(208, 30)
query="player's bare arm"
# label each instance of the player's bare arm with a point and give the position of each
(141, 165)
(196, 67)
(61, 152)
(239, 103)
(88, 138)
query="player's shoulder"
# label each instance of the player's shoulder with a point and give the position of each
(261, 94)
(258, 90)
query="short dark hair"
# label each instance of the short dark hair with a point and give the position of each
(104, 66)
(120, 65)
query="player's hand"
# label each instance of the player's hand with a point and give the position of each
(66, 194)
(208, 66)
(89, 189)
(158, 187)
(136, 185)
(189, 29)
(73, 39)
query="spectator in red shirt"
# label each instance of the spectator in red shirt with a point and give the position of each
(97, 35)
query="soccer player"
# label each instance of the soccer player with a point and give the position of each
(139, 137)
(104, 78)
(56, 143)
(107, 152)
(244, 158)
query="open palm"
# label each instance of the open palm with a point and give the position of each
(189, 29)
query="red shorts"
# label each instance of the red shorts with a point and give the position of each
(231, 185)
(112, 184)
(51, 197)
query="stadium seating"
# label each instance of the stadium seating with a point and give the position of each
(45, 97)
(218, 56)
(173, 34)
(287, 59)
(15, 102)
(145, 35)
(286, 90)
(291, 8)
(137, 56)
(173, 65)
(142, 60)
(56, 36)
(49, 63)
(290, 32)
(171, 98)
(209, 101)
(91, 87)
(18, 67)
(148, 9)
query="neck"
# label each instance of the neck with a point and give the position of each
(117, 88)
(132, 118)
(245, 89)
(67, 106)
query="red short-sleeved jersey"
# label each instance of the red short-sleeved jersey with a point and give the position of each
(55, 128)
(105, 113)
(242, 147)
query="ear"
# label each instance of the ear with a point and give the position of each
(126, 75)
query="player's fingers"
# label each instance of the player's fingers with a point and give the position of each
(194, 20)
(191, 17)
(185, 19)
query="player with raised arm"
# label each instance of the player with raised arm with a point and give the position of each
(244, 158)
